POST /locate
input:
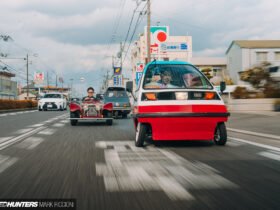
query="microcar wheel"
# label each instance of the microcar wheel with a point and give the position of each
(74, 122)
(220, 137)
(141, 134)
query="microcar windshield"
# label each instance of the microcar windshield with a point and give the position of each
(173, 76)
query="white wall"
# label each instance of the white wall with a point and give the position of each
(234, 62)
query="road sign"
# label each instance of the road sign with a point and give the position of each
(140, 67)
(138, 77)
(117, 80)
(38, 77)
(159, 34)
(117, 70)
(174, 47)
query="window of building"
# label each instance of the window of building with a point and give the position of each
(262, 56)
(277, 56)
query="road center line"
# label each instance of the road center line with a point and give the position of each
(254, 133)
(256, 144)
(19, 138)
(270, 155)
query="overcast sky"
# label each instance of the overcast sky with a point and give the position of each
(75, 38)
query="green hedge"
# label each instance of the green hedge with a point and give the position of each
(17, 104)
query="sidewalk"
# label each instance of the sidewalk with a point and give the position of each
(259, 122)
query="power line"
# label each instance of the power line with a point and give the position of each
(130, 24)
(135, 28)
(116, 24)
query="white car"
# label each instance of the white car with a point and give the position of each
(52, 101)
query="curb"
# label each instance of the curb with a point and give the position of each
(17, 110)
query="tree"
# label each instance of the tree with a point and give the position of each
(259, 78)
(206, 72)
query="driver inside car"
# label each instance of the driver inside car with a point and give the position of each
(166, 79)
(90, 96)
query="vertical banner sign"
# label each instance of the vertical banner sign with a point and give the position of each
(138, 77)
(38, 77)
(117, 80)
(117, 70)
(140, 67)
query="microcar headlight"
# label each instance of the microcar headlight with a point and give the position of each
(181, 95)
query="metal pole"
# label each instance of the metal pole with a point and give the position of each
(121, 55)
(148, 30)
(27, 85)
(56, 80)
(47, 81)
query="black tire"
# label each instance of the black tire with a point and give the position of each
(220, 136)
(74, 122)
(61, 108)
(109, 122)
(141, 135)
(40, 110)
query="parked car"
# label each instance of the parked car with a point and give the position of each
(121, 103)
(52, 101)
(90, 110)
(175, 101)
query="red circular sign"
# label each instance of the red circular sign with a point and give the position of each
(161, 36)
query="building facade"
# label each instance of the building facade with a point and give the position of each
(217, 65)
(244, 54)
(8, 88)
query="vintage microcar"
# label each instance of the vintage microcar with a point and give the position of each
(90, 110)
(175, 101)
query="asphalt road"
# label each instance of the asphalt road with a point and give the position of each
(42, 156)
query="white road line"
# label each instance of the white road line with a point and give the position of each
(12, 114)
(64, 121)
(127, 169)
(19, 138)
(3, 115)
(36, 125)
(48, 131)
(255, 144)
(270, 154)
(254, 133)
(21, 131)
(2, 139)
(6, 162)
(30, 143)
(58, 125)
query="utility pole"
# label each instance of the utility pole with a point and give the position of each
(56, 80)
(148, 30)
(27, 85)
(47, 81)
(71, 87)
(121, 55)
